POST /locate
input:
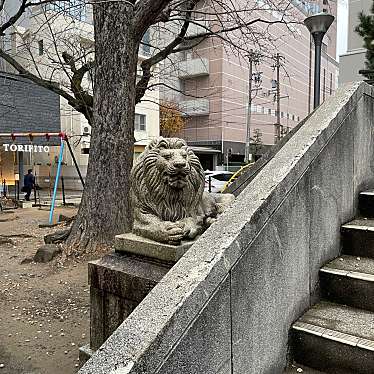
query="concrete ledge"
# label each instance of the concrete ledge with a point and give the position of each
(270, 244)
(131, 243)
(85, 353)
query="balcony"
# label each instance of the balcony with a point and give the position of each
(196, 107)
(197, 67)
(198, 27)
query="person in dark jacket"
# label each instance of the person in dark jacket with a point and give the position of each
(28, 183)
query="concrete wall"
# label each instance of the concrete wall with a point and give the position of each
(350, 65)
(227, 305)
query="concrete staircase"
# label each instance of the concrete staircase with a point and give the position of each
(337, 334)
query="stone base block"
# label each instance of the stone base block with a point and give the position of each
(118, 283)
(85, 353)
(24, 204)
(131, 243)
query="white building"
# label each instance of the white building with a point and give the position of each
(37, 41)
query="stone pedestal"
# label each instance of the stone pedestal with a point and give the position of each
(120, 280)
(137, 245)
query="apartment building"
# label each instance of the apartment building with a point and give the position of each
(354, 60)
(212, 86)
(37, 41)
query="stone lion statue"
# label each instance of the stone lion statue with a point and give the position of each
(167, 188)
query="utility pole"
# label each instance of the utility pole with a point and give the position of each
(253, 58)
(278, 127)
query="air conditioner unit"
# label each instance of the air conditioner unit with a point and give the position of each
(86, 130)
(86, 136)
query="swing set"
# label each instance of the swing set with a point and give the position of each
(38, 148)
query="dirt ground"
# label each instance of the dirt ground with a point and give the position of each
(44, 310)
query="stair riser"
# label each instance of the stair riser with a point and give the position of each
(366, 205)
(331, 356)
(347, 291)
(358, 242)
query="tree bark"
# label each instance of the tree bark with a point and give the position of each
(105, 209)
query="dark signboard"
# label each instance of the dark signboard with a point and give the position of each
(27, 108)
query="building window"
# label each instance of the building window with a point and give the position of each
(298, 118)
(40, 47)
(293, 117)
(324, 85)
(330, 84)
(288, 115)
(269, 111)
(73, 8)
(140, 122)
(282, 114)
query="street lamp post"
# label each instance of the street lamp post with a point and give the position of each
(318, 25)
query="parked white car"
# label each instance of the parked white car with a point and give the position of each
(218, 179)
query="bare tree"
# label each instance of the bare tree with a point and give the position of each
(120, 27)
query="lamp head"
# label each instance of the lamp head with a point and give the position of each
(319, 23)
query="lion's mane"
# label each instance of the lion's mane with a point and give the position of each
(152, 196)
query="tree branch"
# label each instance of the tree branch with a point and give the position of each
(146, 65)
(76, 80)
(42, 2)
(147, 12)
(12, 20)
(176, 90)
(23, 6)
(52, 86)
(234, 28)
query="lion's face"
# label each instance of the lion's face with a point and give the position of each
(172, 161)
(174, 167)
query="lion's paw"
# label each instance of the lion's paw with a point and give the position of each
(172, 232)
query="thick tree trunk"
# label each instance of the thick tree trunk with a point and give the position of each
(105, 208)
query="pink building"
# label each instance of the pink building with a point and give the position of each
(216, 84)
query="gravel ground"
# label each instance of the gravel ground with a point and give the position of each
(44, 310)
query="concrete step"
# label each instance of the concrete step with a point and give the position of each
(366, 203)
(335, 339)
(358, 238)
(349, 280)
(296, 368)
